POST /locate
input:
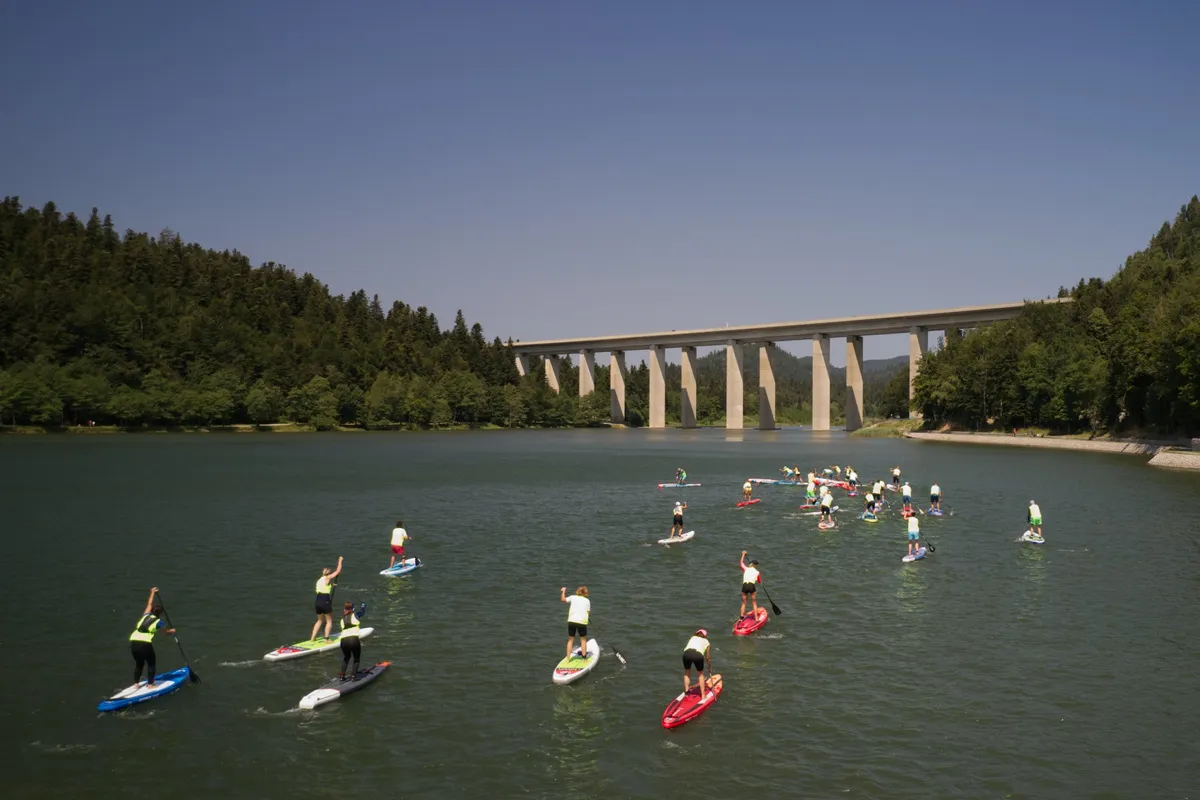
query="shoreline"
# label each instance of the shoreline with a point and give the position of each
(1164, 454)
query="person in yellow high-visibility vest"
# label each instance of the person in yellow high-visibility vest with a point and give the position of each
(141, 641)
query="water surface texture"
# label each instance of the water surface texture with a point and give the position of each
(991, 669)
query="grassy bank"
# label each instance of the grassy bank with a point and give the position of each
(893, 428)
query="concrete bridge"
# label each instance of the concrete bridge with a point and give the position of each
(916, 324)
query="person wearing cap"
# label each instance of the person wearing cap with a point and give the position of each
(697, 654)
(325, 599)
(1035, 518)
(750, 581)
(935, 497)
(677, 521)
(747, 488)
(349, 641)
(141, 641)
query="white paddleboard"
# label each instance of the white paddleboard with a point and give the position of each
(817, 513)
(300, 649)
(681, 538)
(915, 556)
(572, 669)
(1031, 537)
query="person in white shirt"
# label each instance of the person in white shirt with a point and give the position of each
(914, 534)
(906, 491)
(399, 537)
(895, 478)
(577, 617)
(747, 488)
(879, 498)
(677, 519)
(935, 497)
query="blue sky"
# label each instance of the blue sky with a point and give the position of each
(564, 169)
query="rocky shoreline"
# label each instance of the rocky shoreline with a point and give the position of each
(1164, 454)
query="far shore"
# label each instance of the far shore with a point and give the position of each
(1165, 454)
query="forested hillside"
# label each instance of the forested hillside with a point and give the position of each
(132, 329)
(1125, 355)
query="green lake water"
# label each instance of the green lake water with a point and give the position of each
(990, 669)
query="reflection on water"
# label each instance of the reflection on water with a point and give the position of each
(911, 589)
(572, 755)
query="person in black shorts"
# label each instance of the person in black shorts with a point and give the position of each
(750, 579)
(677, 522)
(349, 640)
(697, 654)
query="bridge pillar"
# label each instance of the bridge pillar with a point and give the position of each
(854, 382)
(687, 388)
(552, 371)
(616, 385)
(658, 387)
(918, 343)
(587, 372)
(766, 387)
(733, 387)
(820, 382)
(522, 365)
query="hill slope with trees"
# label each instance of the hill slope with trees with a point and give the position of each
(1123, 356)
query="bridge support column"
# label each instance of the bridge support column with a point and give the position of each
(820, 382)
(766, 388)
(522, 365)
(553, 366)
(854, 382)
(658, 387)
(733, 387)
(616, 385)
(918, 343)
(687, 389)
(587, 372)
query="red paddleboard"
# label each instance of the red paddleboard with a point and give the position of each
(689, 704)
(745, 503)
(809, 505)
(906, 514)
(750, 623)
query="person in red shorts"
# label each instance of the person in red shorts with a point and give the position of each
(399, 537)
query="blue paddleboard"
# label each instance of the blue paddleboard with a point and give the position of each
(402, 568)
(917, 556)
(934, 512)
(140, 692)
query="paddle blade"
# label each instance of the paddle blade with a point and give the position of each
(195, 678)
(775, 608)
(929, 544)
(620, 657)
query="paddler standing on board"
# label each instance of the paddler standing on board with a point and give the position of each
(697, 654)
(895, 477)
(750, 581)
(1035, 519)
(906, 493)
(879, 492)
(577, 618)
(870, 506)
(141, 641)
(747, 489)
(349, 641)
(852, 478)
(399, 537)
(677, 520)
(827, 508)
(914, 534)
(325, 599)
(810, 492)
(681, 475)
(935, 497)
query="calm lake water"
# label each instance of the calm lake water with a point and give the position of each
(991, 669)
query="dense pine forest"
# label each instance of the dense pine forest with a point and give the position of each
(132, 330)
(1123, 356)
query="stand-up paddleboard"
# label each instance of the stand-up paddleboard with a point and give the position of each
(1033, 538)
(683, 537)
(825, 526)
(817, 513)
(139, 693)
(917, 556)
(869, 517)
(935, 512)
(776, 482)
(745, 503)
(300, 649)
(338, 687)
(691, 704)
(906, 514)
(676, 485)
(832, 482)
(403, 568)
(573, 668)
(851, 493)
(809, 505)
(751, 622)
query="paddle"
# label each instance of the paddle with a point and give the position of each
(929, 544)
(774, 607)
(191, 672)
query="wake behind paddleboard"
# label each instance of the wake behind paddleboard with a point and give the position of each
(745, 503)
(917, 556)
(691, 704)
(681, 538)
(164, 684)
(676, 485)
(338, 686)
(1032, 538)
(573, 668)
(751, 622)
(403, 568)
(300, 649)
